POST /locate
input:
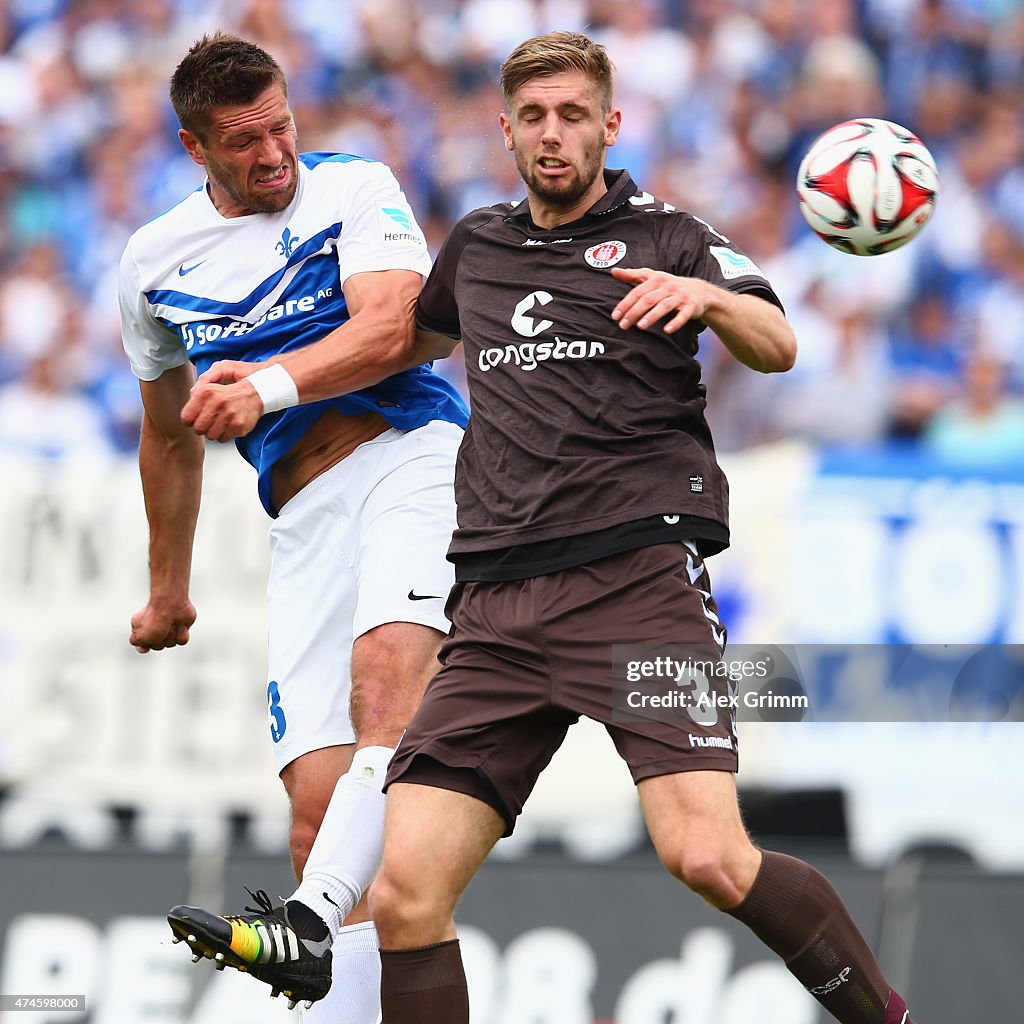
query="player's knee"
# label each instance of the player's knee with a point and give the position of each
(385, 904)
(405, 914)
(705, 870)
(389, 675)
(377, 715)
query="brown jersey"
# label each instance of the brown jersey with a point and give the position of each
(578, 427)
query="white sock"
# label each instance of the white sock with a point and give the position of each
(354, 997)
(347, 849)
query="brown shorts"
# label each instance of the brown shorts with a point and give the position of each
(525, 658)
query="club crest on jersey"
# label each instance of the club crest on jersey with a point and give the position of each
(287, 244)
(605, 254)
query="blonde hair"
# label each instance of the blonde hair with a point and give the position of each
(556, 53)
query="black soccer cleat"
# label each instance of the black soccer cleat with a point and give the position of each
(261, 943)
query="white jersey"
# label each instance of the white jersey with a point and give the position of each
(195, 285)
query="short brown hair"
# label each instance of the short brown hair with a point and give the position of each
(555, 53)
(220, 70)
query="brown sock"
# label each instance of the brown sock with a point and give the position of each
(424, 986)
(794, 911)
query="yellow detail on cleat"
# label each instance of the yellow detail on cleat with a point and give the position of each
(246, 941)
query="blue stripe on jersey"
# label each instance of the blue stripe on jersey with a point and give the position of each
(312, 159)
(215, 307)
(311, 306)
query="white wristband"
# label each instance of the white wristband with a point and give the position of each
(275, 387)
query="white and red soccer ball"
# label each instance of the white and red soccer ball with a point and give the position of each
(867, 186)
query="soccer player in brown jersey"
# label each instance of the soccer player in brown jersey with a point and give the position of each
(588, 496)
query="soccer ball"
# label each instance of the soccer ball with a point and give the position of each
(867, 186)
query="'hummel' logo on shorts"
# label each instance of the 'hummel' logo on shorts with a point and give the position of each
(423, 597)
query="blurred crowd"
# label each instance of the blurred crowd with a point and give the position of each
(720, 99)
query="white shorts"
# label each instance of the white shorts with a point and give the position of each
(361, 545)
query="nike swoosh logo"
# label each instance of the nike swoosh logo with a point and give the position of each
(424, 597)
(183, 270)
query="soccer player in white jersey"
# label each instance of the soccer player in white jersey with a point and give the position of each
(276, 251)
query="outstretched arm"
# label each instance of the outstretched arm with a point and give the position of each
(171, 467)
(754, 330)
(378, 341)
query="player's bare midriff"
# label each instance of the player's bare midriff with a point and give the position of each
(328, 441)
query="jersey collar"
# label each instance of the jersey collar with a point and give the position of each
(621, 189)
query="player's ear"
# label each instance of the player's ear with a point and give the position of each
(506, 130)
(193, 145)
(611, 126)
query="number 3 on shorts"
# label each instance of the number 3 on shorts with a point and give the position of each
(278, 723)
(702, 708)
